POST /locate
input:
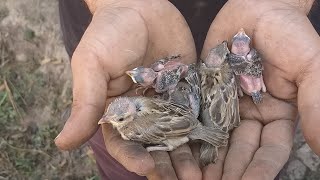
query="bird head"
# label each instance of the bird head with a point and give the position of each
(253, 56)
(241, 43)
(217, 55)
(120, 112)
(142, 75)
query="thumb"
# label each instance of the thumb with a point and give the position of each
(309, 107)
(89, 96)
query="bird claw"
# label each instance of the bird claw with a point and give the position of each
(256, 97)
(139, 87)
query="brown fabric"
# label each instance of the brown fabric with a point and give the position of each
(75, 17)
(74, 20)
(108, 167)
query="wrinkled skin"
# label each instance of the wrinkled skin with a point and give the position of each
(289, 46)
(120, 37)
(261, 145)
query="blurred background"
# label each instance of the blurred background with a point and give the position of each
(35, 93)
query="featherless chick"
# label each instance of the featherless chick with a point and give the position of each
(163, 75)
(247, 65)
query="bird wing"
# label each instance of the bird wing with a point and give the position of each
(194, 80)
(155, 128)
(143, 130)
(193, 77)
(220, 103)
(160, 121)
(175, 126)
(166, 79)
(175, 119)
(238, 63)
(243, 66)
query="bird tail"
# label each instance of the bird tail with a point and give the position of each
(208, 154)
(214, 138)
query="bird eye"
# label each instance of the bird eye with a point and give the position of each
(121, 119)
(138, 107)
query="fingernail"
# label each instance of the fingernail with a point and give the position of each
(57, 137)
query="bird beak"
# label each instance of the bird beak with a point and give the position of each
(225, 46)
(132, 73)
(104, 119)
(241, 33)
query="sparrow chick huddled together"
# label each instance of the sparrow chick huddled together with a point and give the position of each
(163, 75)
(173, 80)
(224, 76)
(195, 102)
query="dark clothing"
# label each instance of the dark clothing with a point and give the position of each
(75, 17)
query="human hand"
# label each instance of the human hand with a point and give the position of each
(124, 35)
(289, 46)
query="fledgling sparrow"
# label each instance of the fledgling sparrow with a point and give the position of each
(159, 124)
(219, 97)
(247, 65)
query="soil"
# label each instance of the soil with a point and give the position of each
(35, 92)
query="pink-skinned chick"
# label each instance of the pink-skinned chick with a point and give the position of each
(246, 64)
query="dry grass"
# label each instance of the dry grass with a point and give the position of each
(31, 103)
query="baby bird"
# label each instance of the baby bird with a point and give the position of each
(144, 76)
(219, 101)
(163, 75)
(159, 124)
(246, 63)
(187, 91)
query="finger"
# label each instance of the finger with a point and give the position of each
(309, 107)
(163, 168)
(185, 164)
(244, 142)
(224, 27)
(130, 154)
(89, 94)
(276, 144)
(195, 149)
(214, 171)
(93, 65)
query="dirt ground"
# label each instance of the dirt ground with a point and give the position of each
(35, 91)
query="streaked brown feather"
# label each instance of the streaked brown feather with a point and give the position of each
(219, 97)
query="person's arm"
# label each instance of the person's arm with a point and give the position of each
(290, 47)
(121, 36)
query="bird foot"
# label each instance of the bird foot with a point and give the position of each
(256, 97)
(139, 87)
